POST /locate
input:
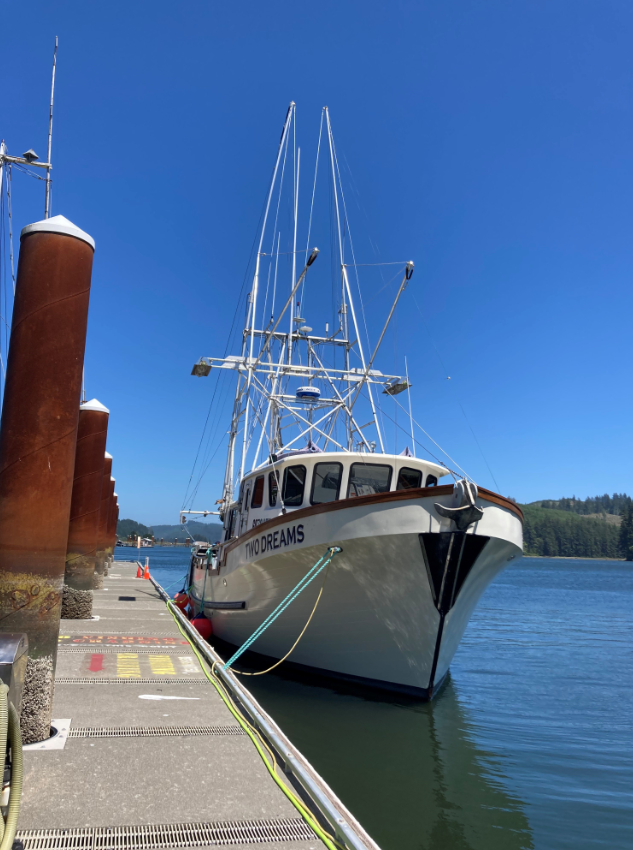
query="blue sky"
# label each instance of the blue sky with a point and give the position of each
(490, 142)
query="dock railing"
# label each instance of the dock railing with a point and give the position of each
(343, 824)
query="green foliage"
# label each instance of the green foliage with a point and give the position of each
(209, 531)
(130, 526)
(597, 505)
(560, 533)
(626, 533)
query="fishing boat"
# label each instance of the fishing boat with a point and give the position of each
(409, 544)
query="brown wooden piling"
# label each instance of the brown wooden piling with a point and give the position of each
(37, 446)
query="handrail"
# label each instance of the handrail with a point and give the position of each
(342, 821)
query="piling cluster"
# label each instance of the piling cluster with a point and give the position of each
(58, 508)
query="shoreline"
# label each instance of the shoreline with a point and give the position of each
(576, 558)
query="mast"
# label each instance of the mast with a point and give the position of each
(47, 202)
(244, 386)
(346, 289)
(294, 248)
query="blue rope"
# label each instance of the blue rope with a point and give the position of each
(312, 573)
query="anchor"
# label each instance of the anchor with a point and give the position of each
(466, 512)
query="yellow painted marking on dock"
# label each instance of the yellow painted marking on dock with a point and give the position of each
(188, 664)
(127, 665)
(161, 665)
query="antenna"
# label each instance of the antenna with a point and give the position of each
(47, 202)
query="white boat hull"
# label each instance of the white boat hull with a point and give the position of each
(377, 620)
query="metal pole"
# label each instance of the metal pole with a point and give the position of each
(284, 132)
(294, 250)
(406, 369)
(405, 280)
(47, 202)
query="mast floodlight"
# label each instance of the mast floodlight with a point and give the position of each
(201, 369)
(312, 256)
(396, 387)
(30, 155)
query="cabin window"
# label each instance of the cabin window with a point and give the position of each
(273, 488)
(258, 492)
(409, 479)
(431, 481)
(232, 517)
(368, 478)
(326, 482)
(294, 482)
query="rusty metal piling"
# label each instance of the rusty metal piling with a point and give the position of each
(37, 446)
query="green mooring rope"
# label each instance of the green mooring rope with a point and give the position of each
(312, 573)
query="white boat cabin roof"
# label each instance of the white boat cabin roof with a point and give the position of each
(308, 478)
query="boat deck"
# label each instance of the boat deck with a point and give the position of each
(148, 754)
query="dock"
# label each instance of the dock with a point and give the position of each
(148, 753)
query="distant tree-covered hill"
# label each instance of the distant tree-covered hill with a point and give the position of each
(124, 527)
(209, 531)
(595, 505)
(560, 533)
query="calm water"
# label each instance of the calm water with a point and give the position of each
(530, 743)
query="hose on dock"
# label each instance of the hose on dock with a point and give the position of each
(260, 744)
(10, 731)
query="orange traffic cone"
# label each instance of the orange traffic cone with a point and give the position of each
(146, 573)
(139, 572)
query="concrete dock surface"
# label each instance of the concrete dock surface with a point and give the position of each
(150, 742)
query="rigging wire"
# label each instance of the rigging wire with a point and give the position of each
(439, 357)
(226, 348)
(316, 168)
(427, 450)
(281, 183)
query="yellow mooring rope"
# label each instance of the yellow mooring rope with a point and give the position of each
(260, 744)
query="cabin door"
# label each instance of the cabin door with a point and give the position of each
(245, 504)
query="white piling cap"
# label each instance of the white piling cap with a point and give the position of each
(93, 404)
(58, 224)
(108, 456)
(115, 495)
(112, 479)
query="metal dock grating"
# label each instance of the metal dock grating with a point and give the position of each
(171, 680)
(151, 731)
(167, 835)
(115, 648)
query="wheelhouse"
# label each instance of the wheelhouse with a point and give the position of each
(301, 480)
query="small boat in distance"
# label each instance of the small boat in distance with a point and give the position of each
(306, 471)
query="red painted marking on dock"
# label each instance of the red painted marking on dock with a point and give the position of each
(117, 640)
(96, 663)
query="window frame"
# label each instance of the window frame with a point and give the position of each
(434, 477)
(402, 469)
(360, 463)
(274, 475)
(340, 481)
(283, 486)
(259, 478)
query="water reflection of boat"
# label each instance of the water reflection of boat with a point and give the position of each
(411, 771)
